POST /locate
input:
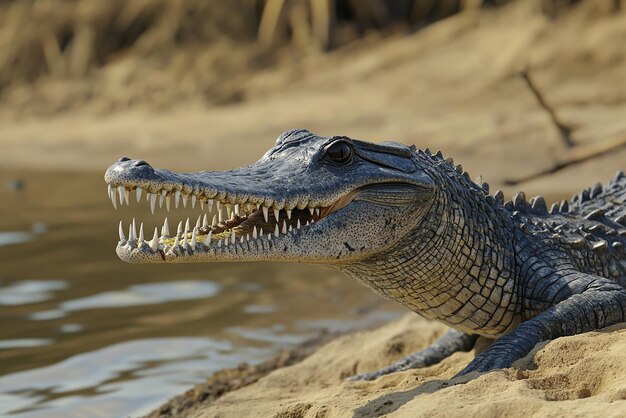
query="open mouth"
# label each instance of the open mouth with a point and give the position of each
(223, 225)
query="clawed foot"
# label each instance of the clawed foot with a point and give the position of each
(449, 343)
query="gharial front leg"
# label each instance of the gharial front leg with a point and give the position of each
(450, 343)
(599, 304)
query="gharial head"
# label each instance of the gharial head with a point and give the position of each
(311, 199)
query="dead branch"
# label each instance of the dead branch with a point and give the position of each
(565, 132)
(577, 155)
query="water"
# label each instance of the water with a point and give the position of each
(86, 335)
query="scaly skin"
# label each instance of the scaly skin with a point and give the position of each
(415, 229)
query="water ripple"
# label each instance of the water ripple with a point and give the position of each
(29, 291)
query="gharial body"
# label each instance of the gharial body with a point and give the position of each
(411, 226)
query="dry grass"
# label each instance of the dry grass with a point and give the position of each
(57, 55)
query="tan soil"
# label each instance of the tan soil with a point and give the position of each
(573, 376)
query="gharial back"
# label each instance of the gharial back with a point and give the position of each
(590, 228)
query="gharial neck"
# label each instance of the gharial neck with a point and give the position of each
(455, 266)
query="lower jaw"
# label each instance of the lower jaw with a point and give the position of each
(205, 248)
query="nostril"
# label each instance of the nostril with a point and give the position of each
(121, 160)
(140, 163)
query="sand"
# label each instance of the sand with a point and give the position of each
(452, 86)
(574, 376)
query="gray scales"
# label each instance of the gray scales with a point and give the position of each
(411, 226)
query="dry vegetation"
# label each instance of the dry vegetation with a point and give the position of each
(57, 55)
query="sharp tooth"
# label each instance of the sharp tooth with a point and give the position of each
(113, 199)
(109, 188)
(218, 206)
(288, 213)
(162, 198)
(214, 220)
(198, 222)
(179, 229)
(205, 221)
(138, 191)
(219, 243)
(193, 240)
(276, 231)
(258, 205)
(265, 213)
(141, 233)
(290, 228)
(311, 210)
(202, 205)
(298, 224)
(154, 244)
(127, 196)
(317, 212)
(284, 231)
(276, 214)
(308, 223)
(176, 242)
(176, 198)
(236, 209)
(229, 210)
(152, 202)
(185, 241)
(134, 228)
(131, 236)
(207, 241)
(185, 197)
(210, 204)
(248, 207)
(187, 227)
(120, 191)
(168, 198)
(165, 230)
(254, 234)
(193, 201)
(241, 239)
(219, 215)
(232, 237)
(122, 237)
(269, 237)
(247, 237)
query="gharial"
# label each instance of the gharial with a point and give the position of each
(411, 226)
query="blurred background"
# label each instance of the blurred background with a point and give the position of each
(530, 94)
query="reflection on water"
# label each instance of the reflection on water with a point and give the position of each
(18, 237)
(130, 377)
(24, 342)
(140, 294)
(144, 294)
(15, 237)
(85, 335)
(29, 291)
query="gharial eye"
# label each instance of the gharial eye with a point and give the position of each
(339, 152)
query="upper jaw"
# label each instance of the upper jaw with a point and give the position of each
(251, 185)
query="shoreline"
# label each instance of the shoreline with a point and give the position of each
(581, 375)
(204, 394)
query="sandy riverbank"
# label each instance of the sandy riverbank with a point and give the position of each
(575, 376)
